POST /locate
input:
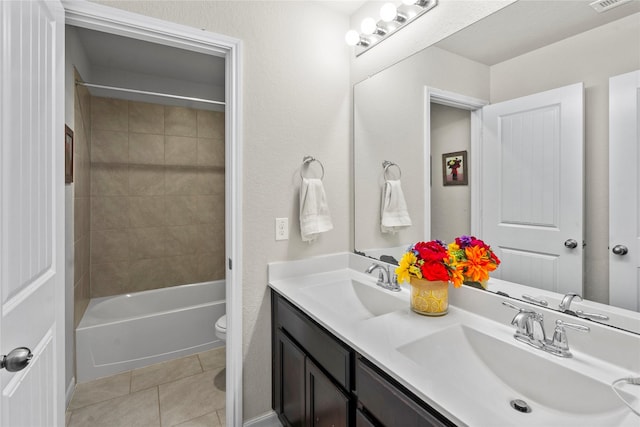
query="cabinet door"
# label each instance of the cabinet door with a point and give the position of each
(327, 406)
(289, 378)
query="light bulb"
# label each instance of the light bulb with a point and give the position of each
(352, 37)
(388, 12)
(368, 26)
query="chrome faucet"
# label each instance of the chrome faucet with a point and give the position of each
(530, 330)
(565, 306)
(384, 277)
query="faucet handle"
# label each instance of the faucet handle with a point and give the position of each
(560, 343)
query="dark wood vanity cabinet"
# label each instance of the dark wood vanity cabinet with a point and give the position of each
(320, 381)
(312, 371)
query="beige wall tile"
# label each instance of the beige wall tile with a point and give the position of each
(146, 149)
(108, 146)
(206, 238)
(180, 121)
(210, 124)
(109, 180)
(109, 246)
(181, 181)
(145, 274)
(182, 270)
(146, 181)
(109, 279)
(210, 152)
(181, 210)
(111, 212)
(211, 266)
(206, 209)
(145, 243)
(109, 114)
(181, 240)
(180, 150)
(211, 181)
(147, 211)
(79, 215)
(80, 299)
(146, 118)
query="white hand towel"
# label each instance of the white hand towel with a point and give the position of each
(314, 210)
(394, 214)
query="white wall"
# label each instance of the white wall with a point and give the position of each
(296, 102)
(591, 57)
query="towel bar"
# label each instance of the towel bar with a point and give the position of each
(307, 160)
(386, 165)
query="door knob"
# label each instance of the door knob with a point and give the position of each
(570, 243)
(16, 360)
(620, 250)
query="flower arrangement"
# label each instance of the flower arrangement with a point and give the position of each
(465, 259)
(426, 260)
(472, 259)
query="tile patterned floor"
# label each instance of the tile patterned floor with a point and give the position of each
(186, 392)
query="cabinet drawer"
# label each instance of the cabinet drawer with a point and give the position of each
(390, 405)
(329, 353)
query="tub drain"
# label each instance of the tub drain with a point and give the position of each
(520, 405)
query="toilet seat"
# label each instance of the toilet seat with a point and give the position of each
(221, 327)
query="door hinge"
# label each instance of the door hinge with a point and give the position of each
(230, 263)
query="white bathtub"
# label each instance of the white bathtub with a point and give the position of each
(125, 332)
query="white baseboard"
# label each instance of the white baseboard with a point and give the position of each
(270, 419)
(70, 389)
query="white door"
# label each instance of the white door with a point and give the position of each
(532, 188)
(624, 191)
(32, 210)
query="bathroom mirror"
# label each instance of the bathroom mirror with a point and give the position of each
(476, 63)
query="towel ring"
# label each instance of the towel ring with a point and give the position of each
(308, 160)
(386, 165)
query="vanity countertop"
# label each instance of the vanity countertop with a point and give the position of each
(453, 392)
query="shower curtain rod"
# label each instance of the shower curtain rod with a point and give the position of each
(144, 92)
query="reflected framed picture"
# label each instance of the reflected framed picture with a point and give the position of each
(68, 155)
(454, 168)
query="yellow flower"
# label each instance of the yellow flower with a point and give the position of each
(407, 267)
(453, 246)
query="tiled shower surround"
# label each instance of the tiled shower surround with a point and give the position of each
(157, 196)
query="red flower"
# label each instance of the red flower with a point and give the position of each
(435, 270)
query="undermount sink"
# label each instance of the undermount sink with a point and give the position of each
(355, 299)
(483, 365)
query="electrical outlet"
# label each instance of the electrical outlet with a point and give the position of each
(282, 228)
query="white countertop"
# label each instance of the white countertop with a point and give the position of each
(378, 338)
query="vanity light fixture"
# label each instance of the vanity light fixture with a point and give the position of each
(392, 18)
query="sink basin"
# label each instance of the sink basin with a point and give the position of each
(354, 299)
(483, 365)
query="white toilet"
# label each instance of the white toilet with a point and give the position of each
(221, 328)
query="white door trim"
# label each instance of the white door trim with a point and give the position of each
(463, 102)
(115, 21)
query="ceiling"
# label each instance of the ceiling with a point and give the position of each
(111, 51)
(527, 25)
